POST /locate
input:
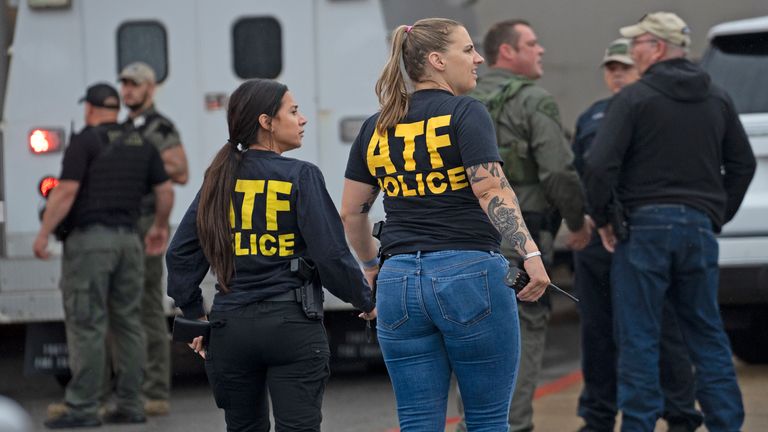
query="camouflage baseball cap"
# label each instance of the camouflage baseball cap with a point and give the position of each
(138, 72)
(664, 25)
(618, 51)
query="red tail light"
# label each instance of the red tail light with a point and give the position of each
(46, 185)
(45, 140)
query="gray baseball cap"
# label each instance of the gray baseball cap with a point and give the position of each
(664, 25)
(138, 72)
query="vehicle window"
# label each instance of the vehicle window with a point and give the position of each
(257, 44)
(739, 63)
(143, 41)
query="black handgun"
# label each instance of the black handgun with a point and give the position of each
(517, 279)
(618, 219)
(312, 290)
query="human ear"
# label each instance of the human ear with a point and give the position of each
(265, 122)
(436, 60)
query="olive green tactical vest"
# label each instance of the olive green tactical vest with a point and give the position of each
(519, 170)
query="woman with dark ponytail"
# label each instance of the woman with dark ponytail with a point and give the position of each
(442, 304)
(256, 211)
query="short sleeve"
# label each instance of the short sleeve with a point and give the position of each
(476, 134)
(78, 155)
(156, 172)
(357, 167)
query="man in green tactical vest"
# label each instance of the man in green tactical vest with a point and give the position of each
(538, 163)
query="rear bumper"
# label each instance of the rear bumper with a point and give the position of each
(743, 270)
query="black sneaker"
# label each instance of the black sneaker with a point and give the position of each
(68, 420)
(120, 417)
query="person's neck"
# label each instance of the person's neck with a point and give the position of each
(141, 110)
(432, 85)
(258, 146)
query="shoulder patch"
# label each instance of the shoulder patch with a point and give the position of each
(548, 107)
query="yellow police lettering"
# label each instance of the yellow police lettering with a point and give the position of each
(239, 251)
(434, 141)
(404, 187)
(409, 132)
(249, 189)
(254, 246)
(231, 214)
(380, 159)
(267, 251)
(274, 204)
(433, 185)
(458, 178)
(391, 186)
(420, 183)
(286, 243)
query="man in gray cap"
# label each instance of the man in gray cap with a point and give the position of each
(672, 148)
(138, 84)
(592, 268)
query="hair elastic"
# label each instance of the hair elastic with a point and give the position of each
(239, 146)
(408, 28)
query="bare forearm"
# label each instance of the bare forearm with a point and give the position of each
(175, 164)
(58, 206)
(163, 203)
(358, 230)
(356, 202)
(499, 202)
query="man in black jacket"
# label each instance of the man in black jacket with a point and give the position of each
(672, 149)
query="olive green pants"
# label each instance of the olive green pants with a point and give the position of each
(102, 273)
(157, 369)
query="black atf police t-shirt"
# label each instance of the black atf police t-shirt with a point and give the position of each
(420, 166)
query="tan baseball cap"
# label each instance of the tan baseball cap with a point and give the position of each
(138, 72)
(618, 51)
(665, 25)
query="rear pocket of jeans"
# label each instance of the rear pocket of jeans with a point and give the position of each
(390, 302)
(463, 299)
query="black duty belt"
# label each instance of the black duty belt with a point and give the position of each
(293, 295)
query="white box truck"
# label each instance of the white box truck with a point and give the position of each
(329, 53)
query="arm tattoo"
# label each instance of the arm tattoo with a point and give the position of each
(493, 168)
(366, 206)
(509, 224)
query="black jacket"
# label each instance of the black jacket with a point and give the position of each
(671, 137)
(280, 210)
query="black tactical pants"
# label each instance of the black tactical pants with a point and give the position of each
(268, 347)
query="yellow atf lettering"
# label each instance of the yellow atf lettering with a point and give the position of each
(380, 159)
(231, 214)
(409, 132)
(267, 251)
(274, 204)
(249, 189)
(458, 178)
(239, 251)
(433, 185)
(404, 187)
(434, 141)
(391, 186)
(286, 243)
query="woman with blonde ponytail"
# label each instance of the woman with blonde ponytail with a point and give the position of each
(442, 303)
(256, 212)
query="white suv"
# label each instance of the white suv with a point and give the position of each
(737, 60)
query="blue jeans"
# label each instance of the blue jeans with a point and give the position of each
(597, 402)
(442, 312)
(671, 253)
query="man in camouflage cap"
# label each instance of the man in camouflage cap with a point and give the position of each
(538, 163)
(138, 84)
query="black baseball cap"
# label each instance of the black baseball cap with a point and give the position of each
(102, 95)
